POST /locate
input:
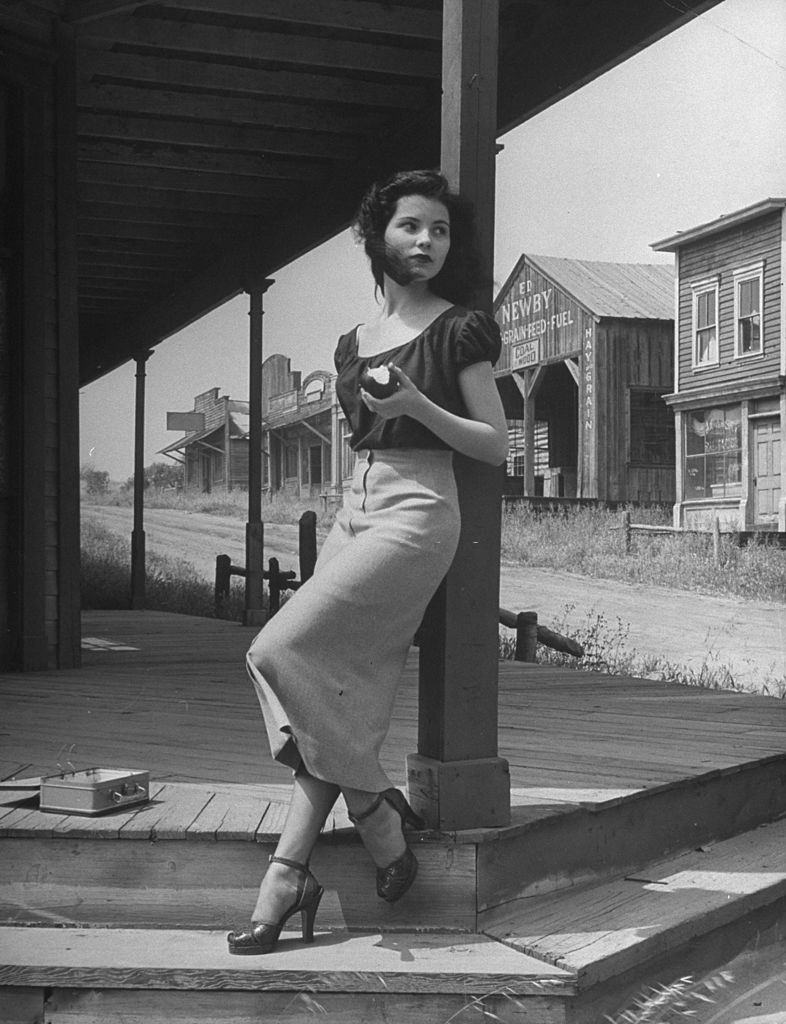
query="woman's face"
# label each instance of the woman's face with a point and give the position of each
(417, 238)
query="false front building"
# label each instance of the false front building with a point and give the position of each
(587, 355)
(729, 390)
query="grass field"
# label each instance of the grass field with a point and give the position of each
(583, 541)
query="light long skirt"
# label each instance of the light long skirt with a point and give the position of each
(327, 666)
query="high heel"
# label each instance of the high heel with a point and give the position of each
(262, 938)
(397, 877)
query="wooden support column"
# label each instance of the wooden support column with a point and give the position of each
(138, 532)
(68, 548)
(457, 780)
(254, 613)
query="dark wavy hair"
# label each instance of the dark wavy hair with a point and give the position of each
(459, 277)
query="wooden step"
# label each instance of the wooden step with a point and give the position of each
(127, 976)
(604, 930)
(193, 856)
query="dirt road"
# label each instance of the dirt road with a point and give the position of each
(749, 637)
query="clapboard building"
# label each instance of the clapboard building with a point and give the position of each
(305, 436)
(729, 390)
(214, 451)
(587, 356)
(301, 429)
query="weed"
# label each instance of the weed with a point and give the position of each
(676, 1001)
(606, 650)
(171, 585)
(282, 507)
(590, 541)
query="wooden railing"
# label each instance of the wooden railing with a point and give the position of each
(529, 634)
(277, 580)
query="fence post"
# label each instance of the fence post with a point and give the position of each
(716, 540)
(526, 636)
(308, 545)
(274, 585)
(223, 571)
(627, 530)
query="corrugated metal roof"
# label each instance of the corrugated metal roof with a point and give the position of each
(628, 290)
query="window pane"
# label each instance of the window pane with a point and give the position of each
(705, 346)
(694, 477)
(750, 335)
(705, 309)
(749, 297)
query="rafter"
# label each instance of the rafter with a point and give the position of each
(248, 138)
(310, 52)
(203, 202)
(179, 157)
(222, 109)
(181, 181)
(130, 68)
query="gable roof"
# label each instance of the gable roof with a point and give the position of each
(630, 291)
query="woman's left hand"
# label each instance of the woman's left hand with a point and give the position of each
(403, 402)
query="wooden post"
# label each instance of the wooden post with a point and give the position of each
(457, 780)
(716, 540)
(69, 628)
(138, 532)
(626, 530)
(307, 547)
(526, 636)
(254, 614)
(274, 585)
(223, 579)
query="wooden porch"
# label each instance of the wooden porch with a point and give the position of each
(644, 841)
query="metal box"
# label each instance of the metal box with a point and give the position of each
(94, 790)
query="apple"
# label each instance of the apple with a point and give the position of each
(378, 381)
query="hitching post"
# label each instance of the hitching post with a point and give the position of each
(254, 613)
(457, 780)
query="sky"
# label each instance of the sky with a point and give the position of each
(685, 131)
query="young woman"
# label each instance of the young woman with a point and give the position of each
(327, 666)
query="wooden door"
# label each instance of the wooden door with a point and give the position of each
(766, 470)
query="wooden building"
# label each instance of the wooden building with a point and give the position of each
(214, 452)
(305, 436)
(587, 356)
(729, 389)
(302, 430)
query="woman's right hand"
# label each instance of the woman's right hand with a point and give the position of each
(406, 401)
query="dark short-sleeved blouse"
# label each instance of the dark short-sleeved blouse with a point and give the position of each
(457, 338)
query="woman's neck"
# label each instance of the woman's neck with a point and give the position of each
(410, 300)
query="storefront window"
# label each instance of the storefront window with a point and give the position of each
(713, 453)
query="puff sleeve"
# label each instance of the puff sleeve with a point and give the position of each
(478, 340)
(341, 353)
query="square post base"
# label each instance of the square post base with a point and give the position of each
(452, 795)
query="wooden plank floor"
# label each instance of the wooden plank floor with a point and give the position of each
(169, 693)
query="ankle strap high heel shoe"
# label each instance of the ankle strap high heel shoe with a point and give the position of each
(261, 937)
(397, 877)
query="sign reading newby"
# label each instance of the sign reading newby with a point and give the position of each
(538, 321)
